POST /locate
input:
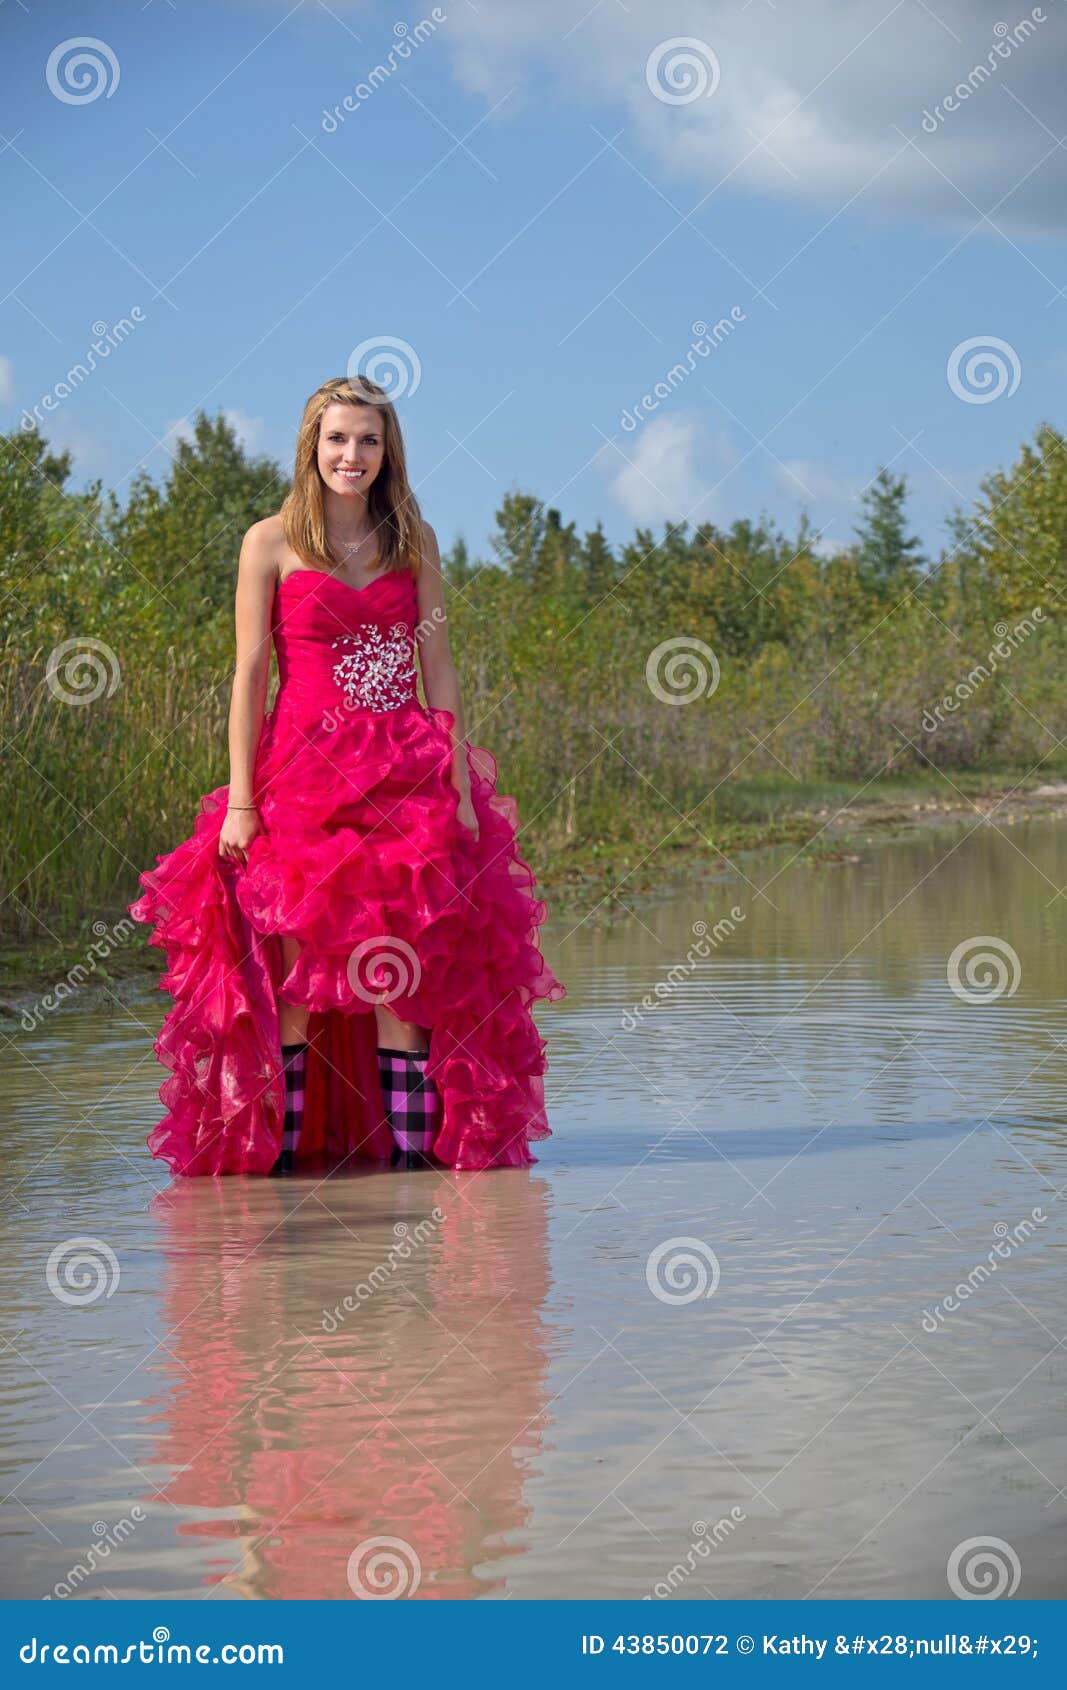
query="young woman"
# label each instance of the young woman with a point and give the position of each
(351, 934)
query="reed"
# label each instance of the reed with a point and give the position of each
(116, 652)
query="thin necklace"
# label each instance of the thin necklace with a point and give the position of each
(346, 546)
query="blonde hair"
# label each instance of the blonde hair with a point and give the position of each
(391, 504)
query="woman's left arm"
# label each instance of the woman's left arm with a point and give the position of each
(439, 679)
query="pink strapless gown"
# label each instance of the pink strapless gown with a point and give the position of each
(364, 862)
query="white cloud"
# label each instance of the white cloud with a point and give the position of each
(824, 546)
(671, 470)
(249, 430)
(7, 381)
(814, 103)
(90, 454)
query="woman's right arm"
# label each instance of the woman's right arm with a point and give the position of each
(257, 577)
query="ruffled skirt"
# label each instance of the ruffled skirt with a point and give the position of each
(363, 861)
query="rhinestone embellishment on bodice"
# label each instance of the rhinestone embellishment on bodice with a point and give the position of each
(376, 671)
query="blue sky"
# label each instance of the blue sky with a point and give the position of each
(538, 203)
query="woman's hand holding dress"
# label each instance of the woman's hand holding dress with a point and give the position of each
(238, 831)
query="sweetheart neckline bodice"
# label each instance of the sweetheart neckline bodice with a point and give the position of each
(305, 570)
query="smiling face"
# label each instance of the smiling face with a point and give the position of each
(351, 447)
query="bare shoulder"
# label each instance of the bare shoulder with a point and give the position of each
(257, 580)
(267, 534)
(261, 550)
(430, 553)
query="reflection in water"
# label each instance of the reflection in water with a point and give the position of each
(305, 1426)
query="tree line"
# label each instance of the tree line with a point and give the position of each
(638, 697)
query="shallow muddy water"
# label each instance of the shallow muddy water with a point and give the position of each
(711, 1345)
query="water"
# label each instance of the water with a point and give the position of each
(520, 1400)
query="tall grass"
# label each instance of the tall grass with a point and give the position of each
(822, 678)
